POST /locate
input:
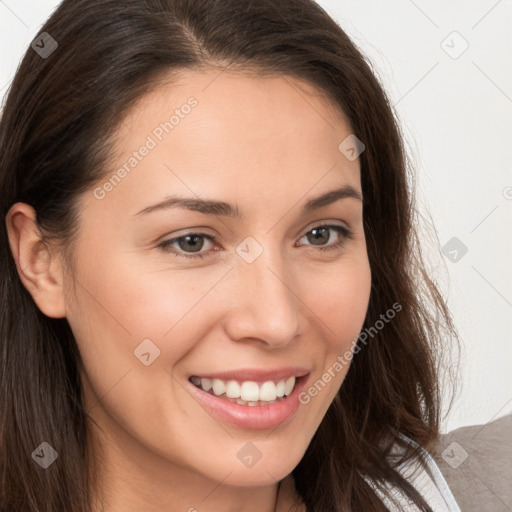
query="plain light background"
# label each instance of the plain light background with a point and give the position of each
(446, 68)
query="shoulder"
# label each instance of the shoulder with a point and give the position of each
(426, 478)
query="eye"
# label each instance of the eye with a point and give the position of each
(195, 241)
(321, 233)
(190, 240)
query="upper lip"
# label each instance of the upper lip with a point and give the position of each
(256, 374)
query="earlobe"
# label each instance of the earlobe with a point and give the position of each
(40, 271)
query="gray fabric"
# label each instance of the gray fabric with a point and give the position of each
(476, 462)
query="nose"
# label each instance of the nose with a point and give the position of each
(264, 303)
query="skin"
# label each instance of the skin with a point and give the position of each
(267, 145)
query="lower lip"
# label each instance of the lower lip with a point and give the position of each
(252, 417)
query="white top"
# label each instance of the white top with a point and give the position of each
(430, 484)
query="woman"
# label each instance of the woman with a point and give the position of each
(212, 292)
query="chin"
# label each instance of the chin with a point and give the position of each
(259, 464)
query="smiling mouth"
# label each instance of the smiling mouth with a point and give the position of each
(250, 393)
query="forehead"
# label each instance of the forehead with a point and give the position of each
(245, 89)
(245, 105)
(214, 133)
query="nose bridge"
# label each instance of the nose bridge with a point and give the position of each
(266, 306)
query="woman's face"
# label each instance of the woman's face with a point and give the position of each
(165, 293)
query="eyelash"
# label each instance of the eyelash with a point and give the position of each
(345, 232)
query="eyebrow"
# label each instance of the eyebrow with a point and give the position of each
(211, 207)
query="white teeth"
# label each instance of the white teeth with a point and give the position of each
(206, 384)
(233, 389)
(219, 388)
(288, 387)
(280, 389)
(268, 391)
(249, 391)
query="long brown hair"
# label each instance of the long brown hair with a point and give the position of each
(54, 143)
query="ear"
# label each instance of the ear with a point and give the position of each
(39, 269)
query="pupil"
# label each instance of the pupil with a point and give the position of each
(319, 236)
(195, 246)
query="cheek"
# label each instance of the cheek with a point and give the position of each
(340, 301)
(340, 306)
(125, 311)
(130, 298)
